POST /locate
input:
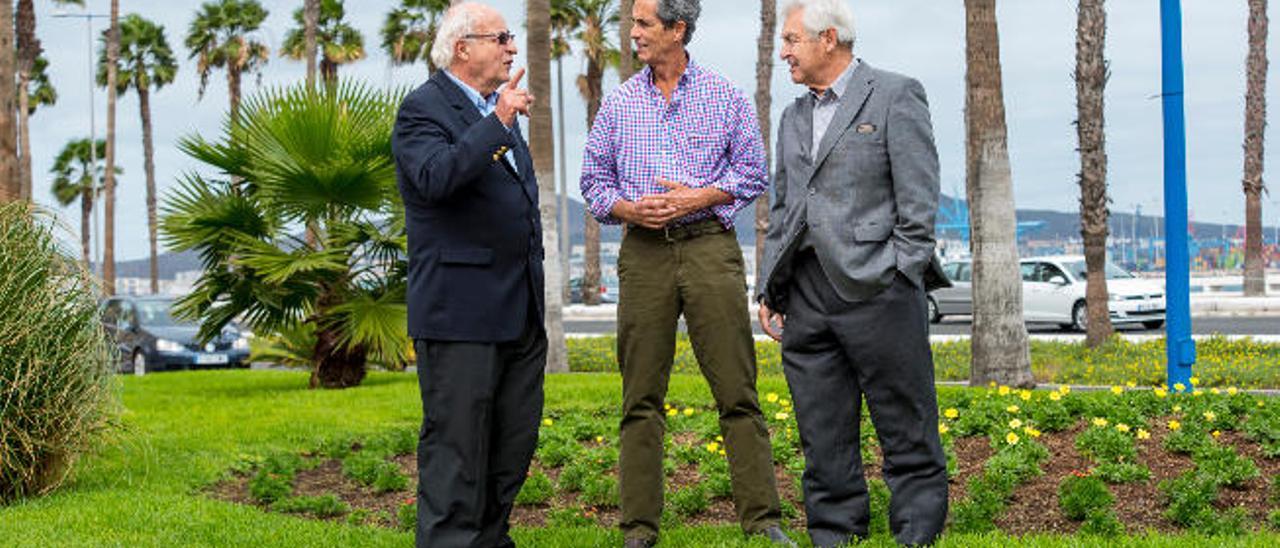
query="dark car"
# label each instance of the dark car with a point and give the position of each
(150, 338)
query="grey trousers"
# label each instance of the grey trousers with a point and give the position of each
(482, 404)
(835, 352)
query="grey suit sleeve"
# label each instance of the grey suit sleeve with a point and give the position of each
(913, 162)
(777, 214)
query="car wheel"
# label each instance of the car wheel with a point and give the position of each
(139, 362)
(1153, 324)
(1080, 317)
(934, 316)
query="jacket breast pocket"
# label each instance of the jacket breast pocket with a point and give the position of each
(872, 231)
(474, 256)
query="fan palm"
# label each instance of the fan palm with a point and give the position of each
(597, 17)
(409, 30)
(339, 42)
(221, 36)
(76, 176)
(146, 63)
(299, 158)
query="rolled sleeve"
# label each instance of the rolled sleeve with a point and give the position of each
(599, 181)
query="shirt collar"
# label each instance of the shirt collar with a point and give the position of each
(838, 87)
(691, 71)
(481, 102)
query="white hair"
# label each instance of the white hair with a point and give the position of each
(820, 15)
(458, 22)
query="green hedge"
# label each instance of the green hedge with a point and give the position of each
(1243, 363)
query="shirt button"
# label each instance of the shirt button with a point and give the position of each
(812, 191)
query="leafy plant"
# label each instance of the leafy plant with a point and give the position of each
(537, 489)
(1224, 466)
(1078, 495)
(690, 500)
(325, 506)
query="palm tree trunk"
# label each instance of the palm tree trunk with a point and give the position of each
(28, 48)
(591, 227)
(86, 223)
(565, 232)
(311, 18)
(24, 136)
(625, 65)
(329, 72)
(999, 342)
(764, 101)
(109, 187)
(1091, 83)
(1255, 122)
(10, 185)
(542, 144)
(148, 164)
(233, 90)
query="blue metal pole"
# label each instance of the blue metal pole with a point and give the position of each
(1181, 349)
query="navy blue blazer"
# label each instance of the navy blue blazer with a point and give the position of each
(475, 236)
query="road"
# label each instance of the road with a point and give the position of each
(1243, 325)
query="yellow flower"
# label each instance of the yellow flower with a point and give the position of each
(688, 412)
(951, 413)
(1122, 427)
(1177, 409)
(772, 397)
(1197, 392)
(1231, 390)
(1117, 390)
(1031, 432)
(1210, 415)
(547, 422)
(1011, 438)
(1214, 391)
(599, 439)
(1055, 396)
(1174, 425)
(722, 453)
(1064, 389)
(672, 412)
(1217, 433)
(942, 428)
(720, 439)
(713, 447)
(991, 384)
(1160, 392)
(1012, 409)
(786, 402)
(666, 406)
(1099, 422)
(781, 416)
(1180, 387)
(1195, 381)
(1131, 384)
(1015, 423)
(1025, 395)
(1004, 390)
(1261, 403)
(1143, 434)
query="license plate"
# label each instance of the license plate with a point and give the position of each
(1146, 307)
(211, 359)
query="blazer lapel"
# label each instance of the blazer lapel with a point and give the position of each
(457, 99)
(802, 122)
(855, 95)
(525, 162)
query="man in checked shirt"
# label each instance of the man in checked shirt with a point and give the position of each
(675, 153)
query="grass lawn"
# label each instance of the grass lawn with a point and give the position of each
(183, 432)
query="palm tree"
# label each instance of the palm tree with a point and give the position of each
(999, 342)
(542, 145)
(310, 20)
(30, 64)
(36, 92)
(626, 64)
(564, 22)
(146, 63)
(764, 101)
(1091, 82)
(10, 183)
(297, 157)
(597, 19)
(1255, 122)
(339, 42)
(109, 185)
(409, 30)
(76, 176)
(40, 91)
(221, 37)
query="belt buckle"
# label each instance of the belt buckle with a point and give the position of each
(666, 233)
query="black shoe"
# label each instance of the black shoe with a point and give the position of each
(638, 543)
(777, 537)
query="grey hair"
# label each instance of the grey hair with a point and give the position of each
(458, 22)
(672, 11)
(820, 15)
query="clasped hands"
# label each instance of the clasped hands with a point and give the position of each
(657, 210)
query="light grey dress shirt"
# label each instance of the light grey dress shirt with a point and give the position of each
(824, 109)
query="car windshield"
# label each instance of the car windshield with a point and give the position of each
(157, 313)
(1080, 272)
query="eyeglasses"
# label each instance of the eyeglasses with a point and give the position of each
(791, 40)
(503, 38)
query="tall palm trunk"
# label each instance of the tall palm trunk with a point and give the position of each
(311, 18)
(86, 222)
(625, 65)
(28, 48)
(1091, 83)
(233, 89)
(10, 185)
(542, 144)
(563, 194)
(109, 187)
(148, 164)
(1255, 122)
(764, 101)
(329, 72)
(999, 342)
(593, 90)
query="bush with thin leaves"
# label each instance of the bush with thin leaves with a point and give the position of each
(57, 393)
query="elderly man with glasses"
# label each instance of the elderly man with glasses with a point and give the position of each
(475, 280)
(675, 153)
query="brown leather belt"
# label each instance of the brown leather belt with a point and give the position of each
(674, 233)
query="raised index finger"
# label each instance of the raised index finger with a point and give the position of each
(515, 80)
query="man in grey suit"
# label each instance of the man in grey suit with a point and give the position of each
(850, 241)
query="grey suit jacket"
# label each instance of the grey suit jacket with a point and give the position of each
(867, 198)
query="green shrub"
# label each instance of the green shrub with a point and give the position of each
(1187, 441)
(1122, 472)
(1191, 498)
(600, 490)
(537, 489)
(1106, 445)
(407, 516)
(557, 449)
(715, 475)
(690, 501)
(327, 506)
(57, 393)
(375, 471)
(569, 517)
(1102, 523)
(1080, 495)
(1273, 519)
(1224, 466)
(267, 487)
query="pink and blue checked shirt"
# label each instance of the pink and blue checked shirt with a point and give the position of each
(706, 136)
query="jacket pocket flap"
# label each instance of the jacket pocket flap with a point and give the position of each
(475, 256)
(872, 231)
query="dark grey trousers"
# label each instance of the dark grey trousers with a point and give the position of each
(482, 403)
(833, 353)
